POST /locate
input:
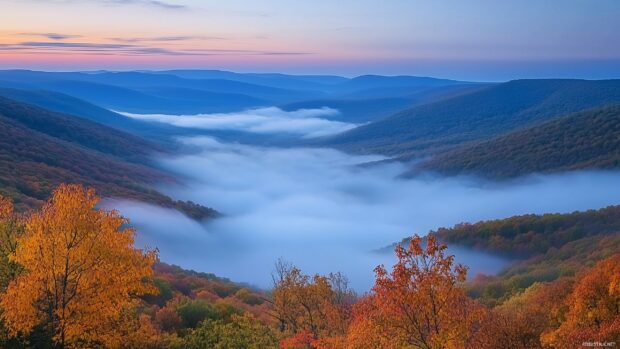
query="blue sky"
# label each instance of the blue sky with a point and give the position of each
(474, 39)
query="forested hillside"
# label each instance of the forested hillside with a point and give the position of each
(66, 104)
(486, 113)
(584, 140)
(541, 248)
(40, 149)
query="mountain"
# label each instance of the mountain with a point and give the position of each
(296, 82)
(360, 109)
(585, 140)
(212, 91)
(66, 104)
(40, 149)
(376, 81)
(480, 114)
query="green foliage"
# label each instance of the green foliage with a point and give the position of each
(584, 140)
(192, 312)
(164, 295)
(242, 332)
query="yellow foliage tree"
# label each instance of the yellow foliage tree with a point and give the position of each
(82, 272)
(316, 308)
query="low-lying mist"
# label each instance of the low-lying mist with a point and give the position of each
(306, 123)
(319, 210)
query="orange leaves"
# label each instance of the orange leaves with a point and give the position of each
(420, 303)
(302, 340)
(81, 270)
(593, 308)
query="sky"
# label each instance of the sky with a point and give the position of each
(484, 40)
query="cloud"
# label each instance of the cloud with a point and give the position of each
(165, 39)
(320, 210)
(305, 122)
(51, 36)
(153, 3)
(63, 47)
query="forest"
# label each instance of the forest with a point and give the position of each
(578, 141)
(72, 277)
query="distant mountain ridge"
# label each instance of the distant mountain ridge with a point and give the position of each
(196, 91)
(487, 112)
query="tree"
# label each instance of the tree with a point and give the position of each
(420, 304)
(82, 271)
(241, 332)
(310, 307)
(594, 308)
(520, 321)
(11, 227)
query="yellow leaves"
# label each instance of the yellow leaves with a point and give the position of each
(82, 270)
(311, 308)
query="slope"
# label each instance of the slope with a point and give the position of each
(477, 115)
(40, 149)
(584, 140)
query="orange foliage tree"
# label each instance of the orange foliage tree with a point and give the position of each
(593, 308)
(81, 272)
(420, 304)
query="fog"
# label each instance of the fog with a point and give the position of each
(318, 209)
(304, 122)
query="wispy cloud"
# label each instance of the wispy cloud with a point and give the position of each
(167, 5)
(165, 39)
(36, 47)
(51, 36)
(155, 3)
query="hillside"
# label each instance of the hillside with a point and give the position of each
(584, 140)
(473, 116)
(364, 108)
(540, 247)
(40, 149)
(528, 235)
(153, 93)
(66, 104)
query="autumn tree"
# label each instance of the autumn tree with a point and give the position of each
(420, 304)
(593, 308)
(11, 227)
(82, 272)
(316, 307)
(520, 321)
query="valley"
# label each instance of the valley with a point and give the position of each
(323, 173)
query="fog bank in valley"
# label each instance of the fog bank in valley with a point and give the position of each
(319, 210)
(306, 123)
